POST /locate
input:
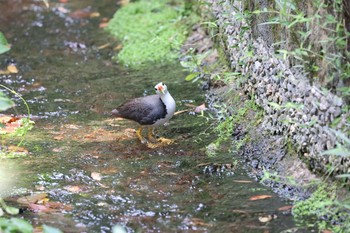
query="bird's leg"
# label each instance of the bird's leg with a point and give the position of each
(151, 135)
(139, 135)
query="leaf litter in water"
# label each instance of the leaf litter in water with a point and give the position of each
(39, 202)
(259, 197)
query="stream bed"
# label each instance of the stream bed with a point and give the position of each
(92, 164)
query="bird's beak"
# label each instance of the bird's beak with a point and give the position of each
(160, 88)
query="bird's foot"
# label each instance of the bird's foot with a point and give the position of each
(160, 142)
(143, 140)
(150, 136)
(165, 141)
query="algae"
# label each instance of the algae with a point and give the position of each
(150, 31)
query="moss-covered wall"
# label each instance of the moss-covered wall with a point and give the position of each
(296, 104)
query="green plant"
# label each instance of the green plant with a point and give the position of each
(317, 40)
(324, 210)
(151, 32)
(27, 124)
(231, 119)
(342, 150)
(4, 45)
(15, 225)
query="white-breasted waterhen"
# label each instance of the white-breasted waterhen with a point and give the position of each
(152, 110)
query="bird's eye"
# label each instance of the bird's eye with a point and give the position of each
(163, 84)
(155, 89)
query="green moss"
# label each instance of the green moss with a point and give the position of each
(323, 210)
(150, 31)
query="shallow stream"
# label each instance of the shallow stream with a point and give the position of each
(92, 164)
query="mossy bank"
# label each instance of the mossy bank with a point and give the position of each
(151, 32)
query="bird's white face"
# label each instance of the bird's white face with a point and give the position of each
(161, 88)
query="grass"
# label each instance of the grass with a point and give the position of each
(150, 31)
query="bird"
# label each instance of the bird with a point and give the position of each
(152, 111)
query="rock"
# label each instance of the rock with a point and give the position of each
(323, 104)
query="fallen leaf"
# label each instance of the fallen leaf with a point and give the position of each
(199, 222)
(170, 174)
(240, 211)
(259, 197)
(60, 137)
(96, 176)
(284, 208)
(242, 181)
(95, 14)
(49, 207)
(203, 164)
(80, 14)
(190, 105)
(73, 188)
(39, 208)
(40, 187)
(103, 46)
(200, 108)
(103, 23)
(267, 218)
(32, 199)
(62, 10)
(12, 69)
(327, 231)
(11, 123)
(17, 149)
(180, 112)
(72, 126)
(118, 47)
(57, 150)
(89, 136)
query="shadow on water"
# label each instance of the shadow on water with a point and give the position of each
(92, 163)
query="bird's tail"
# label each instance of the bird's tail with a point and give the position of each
(115, 113)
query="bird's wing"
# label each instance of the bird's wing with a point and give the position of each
(141, 110)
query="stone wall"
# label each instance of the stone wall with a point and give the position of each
(294, 107)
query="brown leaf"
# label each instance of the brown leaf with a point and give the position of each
(285, 208)
(73, 188)
(199, 222)
(18, 149)
(12, 69)
(59, 137)
(200, 108)
(118, 47)
(11, 123)
(32, 199)
(95, 14)
(57, 150)
(103, 25)
(259, 197)
(80, 14)
(39, 208)
(104, 46)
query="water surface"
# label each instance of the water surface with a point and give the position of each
(71, 86)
